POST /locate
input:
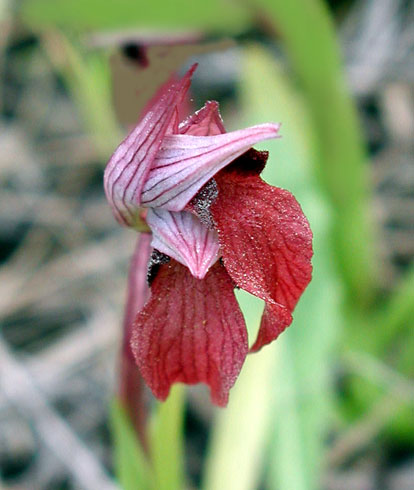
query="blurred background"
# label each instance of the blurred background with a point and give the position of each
(331, 404)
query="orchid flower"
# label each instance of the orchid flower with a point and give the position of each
(216, 226)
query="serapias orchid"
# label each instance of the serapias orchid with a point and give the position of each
(216, 226)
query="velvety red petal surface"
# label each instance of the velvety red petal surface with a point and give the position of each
(190, 331)
(265, 241)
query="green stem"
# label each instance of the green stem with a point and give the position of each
(309, 38)
(240, 432)
(167, 441)
(131, 464)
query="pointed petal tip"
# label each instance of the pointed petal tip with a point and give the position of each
(206, 121)
(192, 69)
(200, 265)
(182, 236)
(186, 78)
(130, 164)
(267, 130)
(198, 271)
(219, 396)
(186, 162)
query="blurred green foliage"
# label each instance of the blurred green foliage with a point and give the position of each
(81, 15)
(307, 33)
(303, 390)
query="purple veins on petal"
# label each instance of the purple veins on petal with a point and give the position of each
(205, 122)
(131, 162)
(182, 236)
(184, 163)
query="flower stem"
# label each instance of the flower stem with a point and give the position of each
(167, 442)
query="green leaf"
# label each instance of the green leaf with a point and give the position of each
(131, 466)
(167, 441)
(308, 35)
(214, 15)
(240, 433)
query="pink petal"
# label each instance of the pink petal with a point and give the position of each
(183, 237)
(190, 331)
(130, 164)
(265, 241)
(185, 163)
(205, 122)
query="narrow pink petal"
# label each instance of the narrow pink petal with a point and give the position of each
(130, 164)
(190, 331)
(205, 122)
(183, 237)
(185, 163)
